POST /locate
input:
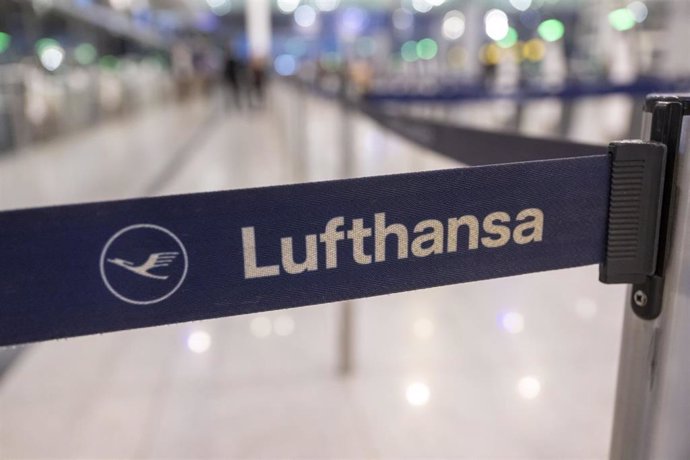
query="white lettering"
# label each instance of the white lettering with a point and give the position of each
(435, 236)
(330, 237)
(381, 231)
(311, 261)
(536, 226)
(501, 231)
(357, 235)
(429, 237)
(454, 225)
(251, 270)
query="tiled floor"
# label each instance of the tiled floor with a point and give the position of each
(522, 367)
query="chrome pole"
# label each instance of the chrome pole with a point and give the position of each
(652, 407)
(347, 170)
(298, 128)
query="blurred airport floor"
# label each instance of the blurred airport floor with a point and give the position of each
(523, 367)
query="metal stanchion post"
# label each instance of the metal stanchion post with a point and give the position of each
(345, 342)
(347, 165)
(567, 111)
(347, 170)
(652, 410)
(299, 133)
(635, 123)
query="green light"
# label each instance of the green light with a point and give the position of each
(161, 60)
(409, 51)
(427, 49)
(5, 40)
(622, 19)
(109, 62)
(509, 40)
(85, 54)
(331, 60)
(45, 43)
(551, 30)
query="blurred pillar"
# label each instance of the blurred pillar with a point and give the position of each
(674, 62)
(258, 22)
(473, 39)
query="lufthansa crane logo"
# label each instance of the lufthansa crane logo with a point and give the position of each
(161, 259)
(143, 264)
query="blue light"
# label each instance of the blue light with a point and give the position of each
(353, 21)
(207, 22)
(285, 65)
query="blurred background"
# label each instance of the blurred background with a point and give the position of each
(113, 99)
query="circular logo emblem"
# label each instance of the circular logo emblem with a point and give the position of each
(143, 264)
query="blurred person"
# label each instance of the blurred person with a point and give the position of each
(203, 67)
(183, 69)
(257, 75)
(361, 74)
(488, 74)
(232, 74)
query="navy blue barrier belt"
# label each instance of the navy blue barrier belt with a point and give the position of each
(476, 147)
(92, 268)
(569, 91)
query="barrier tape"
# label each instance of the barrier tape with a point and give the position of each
(475, 147)
(468, 92)
(92, 268)
(569, 91)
